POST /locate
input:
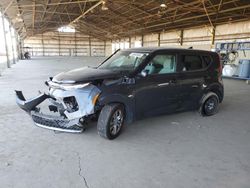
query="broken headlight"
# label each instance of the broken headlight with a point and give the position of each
(71, 104)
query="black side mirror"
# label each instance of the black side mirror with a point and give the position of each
(144, 73)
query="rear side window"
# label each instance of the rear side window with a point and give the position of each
(207, 60)
(194, 62)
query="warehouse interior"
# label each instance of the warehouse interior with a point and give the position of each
(176, 150)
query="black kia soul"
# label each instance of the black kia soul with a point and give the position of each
(129, 85)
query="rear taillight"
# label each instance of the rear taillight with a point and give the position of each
(219, 63)
(220, 69)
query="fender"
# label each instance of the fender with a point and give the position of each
(216, 88)
(127, 101)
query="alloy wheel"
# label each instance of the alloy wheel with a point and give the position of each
(116, 122)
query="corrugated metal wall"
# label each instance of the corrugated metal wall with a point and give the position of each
(199, 38)
(77, 44)
(65, 44)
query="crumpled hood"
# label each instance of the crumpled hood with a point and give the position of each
(85, 74)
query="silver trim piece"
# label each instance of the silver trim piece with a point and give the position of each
(66, 86)
(64, 81)
(59, 129)
(164, 84)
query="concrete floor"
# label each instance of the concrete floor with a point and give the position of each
(182, 150)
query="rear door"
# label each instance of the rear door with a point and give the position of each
(192, 75)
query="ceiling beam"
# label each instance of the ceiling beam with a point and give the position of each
(140, 9)
(86, 12)
(164, 20)
(45, 10)
(53, 12)
(88, 32)
(8, 6)
(218, 11)
(116, 13)
(193, 17)
(59, 13)
(20, 11)
(97, 28)
(208, 17)
(137, 17)
(124, 16)
(53, 4)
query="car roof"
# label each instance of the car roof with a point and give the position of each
(154, 49)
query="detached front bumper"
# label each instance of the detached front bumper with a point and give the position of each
(58, 123)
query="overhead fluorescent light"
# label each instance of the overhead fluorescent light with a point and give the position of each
(104, 6)
(163, 5)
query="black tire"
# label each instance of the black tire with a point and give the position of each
(111, 120)
(210, 105)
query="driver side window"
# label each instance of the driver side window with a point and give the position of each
(161, 64)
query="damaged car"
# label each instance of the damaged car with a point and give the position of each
(129, 85)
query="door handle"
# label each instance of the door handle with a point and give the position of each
(168, 83)
(172, 81)
(163, 84)
(194, 86)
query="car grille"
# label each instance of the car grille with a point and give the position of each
(55, 123)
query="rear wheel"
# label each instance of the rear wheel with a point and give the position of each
(210, 106)
(111, 120)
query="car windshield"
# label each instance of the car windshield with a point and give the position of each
(124, 61)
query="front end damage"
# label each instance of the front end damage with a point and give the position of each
(68, 107)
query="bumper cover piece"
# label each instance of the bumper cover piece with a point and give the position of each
(28, 105)
(58, 123)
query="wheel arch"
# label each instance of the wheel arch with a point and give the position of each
(217, 89)
(128, 104)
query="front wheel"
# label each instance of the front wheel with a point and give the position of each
(111, 120)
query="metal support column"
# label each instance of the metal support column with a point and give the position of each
(21, 49)
(59, 44)
(12, 46)
(5, 39)
(75, 45)
(42, 44)
(90, 54)
(112, 45)
(213, 36)
(17, 46)
(129, 41)
(181, 37)
(104, 48)
(159, 39)
(142, 36)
